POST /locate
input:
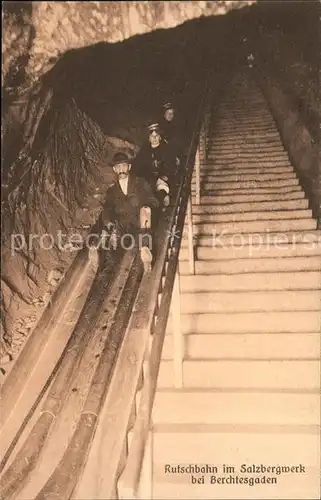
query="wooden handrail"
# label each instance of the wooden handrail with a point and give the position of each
(64, 478)
(129, 481)
(117, 411)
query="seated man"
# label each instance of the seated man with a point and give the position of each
(172, 132)
(128, 206)
(156, 163)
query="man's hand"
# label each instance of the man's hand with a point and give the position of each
(145, 217)
(166, 201)
(162, 184)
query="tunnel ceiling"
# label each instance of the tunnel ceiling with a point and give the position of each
(36, 34)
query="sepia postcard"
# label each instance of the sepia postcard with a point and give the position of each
(161, 250)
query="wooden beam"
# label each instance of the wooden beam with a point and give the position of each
(198, 177)
(191, 257)
(177, 334)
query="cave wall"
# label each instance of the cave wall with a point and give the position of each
(64, 121)
(302, 145)
(36, 34)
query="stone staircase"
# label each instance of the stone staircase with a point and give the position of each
(251, 322)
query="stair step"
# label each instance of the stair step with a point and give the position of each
(213, 191)
(261, 114)
(244, 127)
(272, 180)
(242, 155)
(285, 238)
(249, 143)
(232, 120)
(241, 128)
(279, 191)
(237, 187)
(217, 185)
(212, 137)
(246, 346)
(250, 282)
(294, 321)
(261, 226)
(218, 445)
(219, 199)
(292, 245)
(252, 216)
(241, 134)
(263, 141)
(251, 207)
(218, 131)
(255, 264)
(249, 301)
(236, 407)
(244, 374)
(219, 163)
(254, 117)
(246, 175)
(252, 101)
(246, 148)
(217, 138)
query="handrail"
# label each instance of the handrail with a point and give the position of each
(115, 417)
(129, 480)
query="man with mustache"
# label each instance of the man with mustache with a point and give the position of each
(128, 208)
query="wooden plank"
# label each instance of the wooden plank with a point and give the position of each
(198, 177)
(63, 480)
(191, 259)
(17, 380)
(99, 314)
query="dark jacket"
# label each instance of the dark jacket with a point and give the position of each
(152, 163)
(125, 209)
(173, 136)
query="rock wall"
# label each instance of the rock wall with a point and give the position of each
(36, 34)
(301, 143)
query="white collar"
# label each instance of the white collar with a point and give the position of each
(124, 184)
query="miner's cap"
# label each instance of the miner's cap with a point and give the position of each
(168, 105)
(154, 126)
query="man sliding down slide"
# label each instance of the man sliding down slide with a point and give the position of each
(127, 213)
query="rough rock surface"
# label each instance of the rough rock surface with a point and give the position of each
(36, 34)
